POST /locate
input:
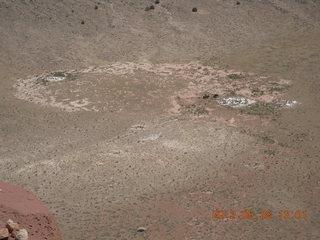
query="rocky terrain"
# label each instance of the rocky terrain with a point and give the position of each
(32, 220)
(140, 119)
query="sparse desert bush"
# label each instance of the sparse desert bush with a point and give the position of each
(157, 2)
(46, 80)
(149, 8)
(260, 109)
(257, 92)
(58, 74)
(195, 109)
(235, 76)
(194, 9)
(42, 81)
(267, 139)
(277, 89)
(270, 152)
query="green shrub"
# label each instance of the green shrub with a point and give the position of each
(235, 76)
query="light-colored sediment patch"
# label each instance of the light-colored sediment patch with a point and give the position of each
(118, 86)
(236, 102)
(286, 103)
(55, 79)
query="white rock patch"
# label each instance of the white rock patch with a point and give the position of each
(55, 79)
(236, 102)
(286, 103)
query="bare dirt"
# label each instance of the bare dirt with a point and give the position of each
(116, 124)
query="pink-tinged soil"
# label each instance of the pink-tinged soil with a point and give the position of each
(24, 208)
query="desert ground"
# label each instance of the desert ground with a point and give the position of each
(118, 116)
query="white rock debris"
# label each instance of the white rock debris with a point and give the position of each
(22, 234)
(286, 103)
(236, 102)
(55, 79)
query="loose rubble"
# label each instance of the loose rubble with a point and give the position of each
(22, 234)
(4, 233)
(12, 226)
(286, 103)
(236, 102)
(55, 79)
(13, 231)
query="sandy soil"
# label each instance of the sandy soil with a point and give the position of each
(133, 135)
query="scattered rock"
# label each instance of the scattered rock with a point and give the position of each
(13, 231)
(54, 79)
(4, 233)
(236, 102)
(285, 103)
(12, 226)
(141, 229)
(22, 234)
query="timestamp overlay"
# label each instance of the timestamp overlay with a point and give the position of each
(259, 215)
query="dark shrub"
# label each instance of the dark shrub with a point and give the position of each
(194, 9)
(149, 8)
(157, 2)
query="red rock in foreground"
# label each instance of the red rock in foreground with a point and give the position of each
(24, 208)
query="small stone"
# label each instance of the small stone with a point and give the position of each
(22, 234)
(12, 226)
(141, 229)
(4, 233)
